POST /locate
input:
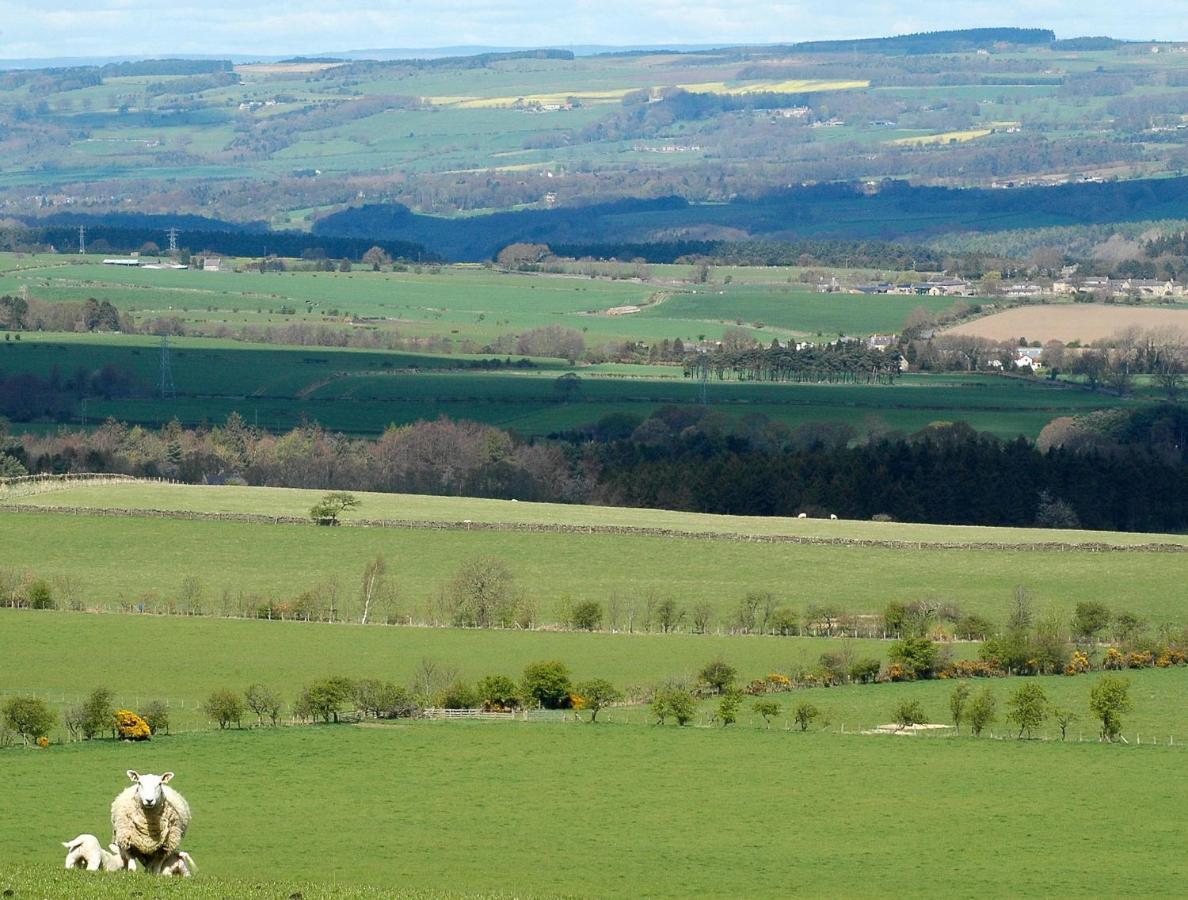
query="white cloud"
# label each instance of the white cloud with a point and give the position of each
(132, 27)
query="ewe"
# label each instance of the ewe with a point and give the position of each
(149, 819)
(85, 852)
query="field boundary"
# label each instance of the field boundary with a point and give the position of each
(633, 530)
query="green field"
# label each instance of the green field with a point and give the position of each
(547, 809)
(426, 508)
(363, 391)
(242, 564)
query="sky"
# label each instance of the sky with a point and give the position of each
(70, 28)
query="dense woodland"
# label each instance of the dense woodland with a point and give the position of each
(1123, 472)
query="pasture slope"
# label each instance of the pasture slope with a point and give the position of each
(622, 811)
(552, 807)
(240, 564)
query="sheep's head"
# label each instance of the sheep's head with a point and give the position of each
(148, 787)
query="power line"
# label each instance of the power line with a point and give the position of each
(82, 239)
(172, 232)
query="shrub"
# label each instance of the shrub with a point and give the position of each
(917, 655)
(982, 710)
(325, 699)
(29, 717)
(1090, 620)
(972, 668)
(717, 675)
(909, 712)
(498, 693)
(97, 713)
(587, 615)
(224, 707)
(865, 671)
(1113, 659)
(804, 714)
(728, 708)
(675, 702)
(547, 684)
(458, 695)
(597, 694)
(131, 727)
(1109, 698)
(785, 622)
(156, 715)
(327, 510)
(264, 702)
(1078, 663)
(1028, 708)
(40, 595)
(769, 709)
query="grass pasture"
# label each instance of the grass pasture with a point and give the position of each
(111, 569)
(623, 811)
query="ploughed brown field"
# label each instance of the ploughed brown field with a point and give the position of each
(1082, 322)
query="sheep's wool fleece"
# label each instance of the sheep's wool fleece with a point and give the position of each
(149, 830)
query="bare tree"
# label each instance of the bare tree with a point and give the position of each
(374, 583)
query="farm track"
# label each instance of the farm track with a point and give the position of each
(640, 531)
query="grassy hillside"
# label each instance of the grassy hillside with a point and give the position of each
(240, 564)
(426, 508)
(624, 811)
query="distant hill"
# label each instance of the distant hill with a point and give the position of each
(896, 211)
(963, 40)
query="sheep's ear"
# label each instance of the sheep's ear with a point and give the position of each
(134, 775)
(166, 778)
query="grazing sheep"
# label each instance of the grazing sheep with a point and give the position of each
(802, 516)
(833, 516)
(149, 819)
(177, 863)
(85, 852)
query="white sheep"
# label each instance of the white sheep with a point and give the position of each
(177, 863)
(149, 820)
(85, 852)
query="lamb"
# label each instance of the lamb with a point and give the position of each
(149, 820)
(85, 852)
(177, 863)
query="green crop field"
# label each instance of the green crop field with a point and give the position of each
(547, 809)
(468, 302)
(363, 391)
(235, 562)
(796, 308)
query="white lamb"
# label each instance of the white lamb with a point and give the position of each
(85, 852)
(149, 820)
(177, 863)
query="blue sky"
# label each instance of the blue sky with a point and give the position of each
(131, 27)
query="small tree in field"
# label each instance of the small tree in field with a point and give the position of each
(769, 709)
(587, 615)
(264, 702)
(982, 710)
(1064, 717)
(675, 702)
(224, 707)
(958, 701)
(805, 714)
(597, 694)
(728, 708)
(1108, 699)
(1028, 708)
(908, 713)
(327, 510)
(547, 683)
(29, 717)
(156, 715)
(718, 675)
